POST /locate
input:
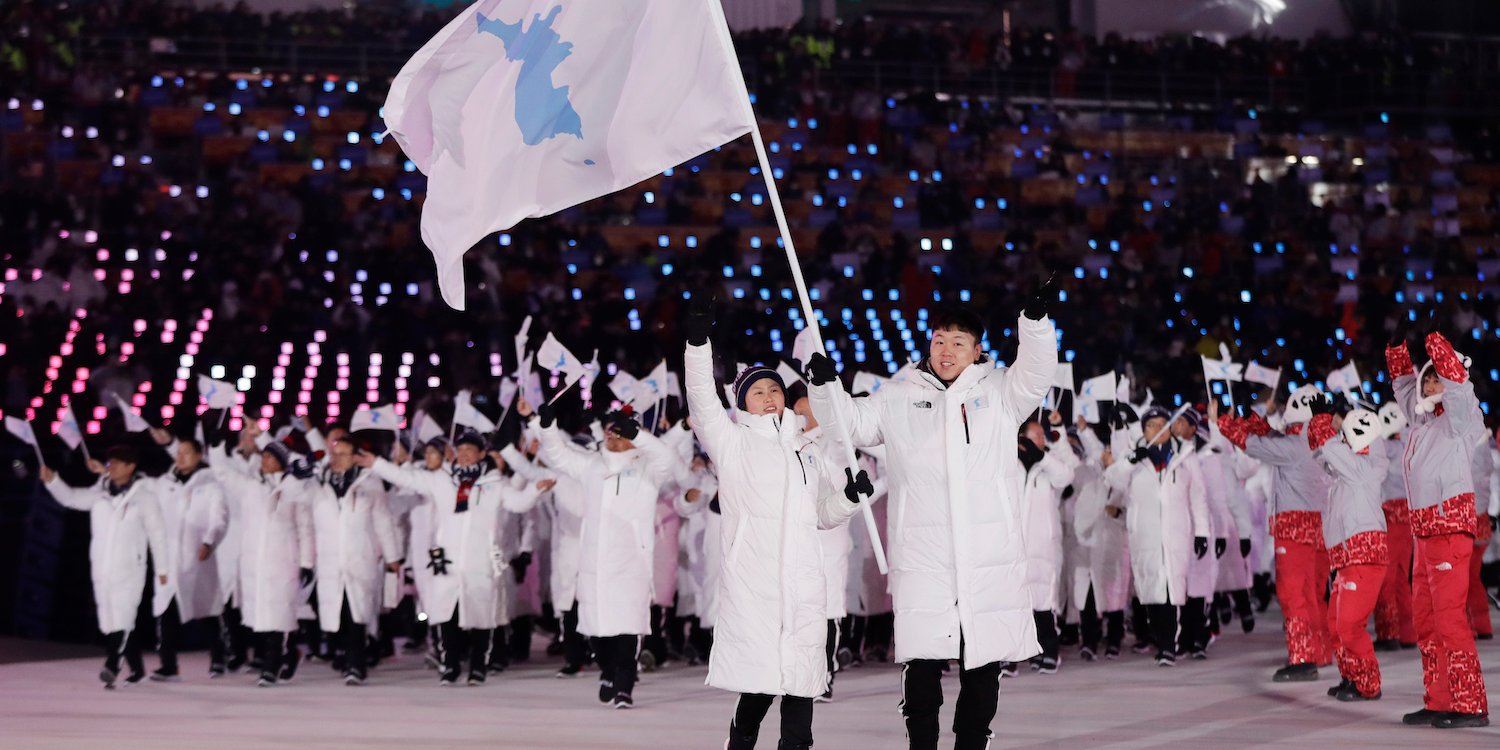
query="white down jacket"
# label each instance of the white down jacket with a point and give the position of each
(276, 541)
(356, 535)
(122, 529)
(958, 559)
(1164, 510)
(1041, 501)
(193, 513)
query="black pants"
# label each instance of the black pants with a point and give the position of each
(1109, 628)
(616, 655)
(124, 644)
(1140, 622)
(575, 650)
(700, 638)
(1161, 619)
(1194, 625)
(1242, 606)
(233, 643)
(796, 721)
(831, 649)
(656, 642)
(922, 697)
(353, 640)
(1046, 632)
(454, 643)
(521, 629)
(853, 631)
(270, 648)
(169, 637)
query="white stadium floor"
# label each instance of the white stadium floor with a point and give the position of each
(1225, 703)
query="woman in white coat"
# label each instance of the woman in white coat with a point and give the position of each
(124, 525)
(566, 528)
(196, 519)
(468, 502)
(276, 552)
(1049, 470)
(1101, 592)
(776, 489)
(1203, 572)
(1167, 520)
(356, 545)
(621, 486)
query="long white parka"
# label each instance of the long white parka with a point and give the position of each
(1164, 510)
(193, 513)
(355, 535)
(276, 542)
(618, 507)
(1041, 503)
(957, 554)
(122, 529)
(1102, 539)
(470, 539)
(776, 490)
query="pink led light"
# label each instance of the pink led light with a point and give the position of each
(167, 412)
(100, 412)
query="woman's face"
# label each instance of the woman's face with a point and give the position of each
(1431, 385)
(765, 397)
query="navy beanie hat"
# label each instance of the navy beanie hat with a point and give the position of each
(748, 378)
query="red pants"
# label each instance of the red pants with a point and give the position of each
(1301, 578)
(1440, 587)
(1355, 592)
(1393, 621)
(1479, 599)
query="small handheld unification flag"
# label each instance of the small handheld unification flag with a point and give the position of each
(508, 391)
(522, 108)
(1255, 373)
(1223, 368)
(1345, 378)
(556, 358)
(427, 428)
(21, 429)
(69, 431)
(804, 346)
(1094, 390)
(217, 394)
(1064, 377)
(788, 375)
(868, 382)
(624, 386)
(133, 422)
(464, 413)
(382, 418)
(653, 387)
(522, 336)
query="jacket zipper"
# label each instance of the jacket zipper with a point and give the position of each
(802, 467)
(963, 411)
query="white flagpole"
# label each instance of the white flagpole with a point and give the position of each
(840, 432)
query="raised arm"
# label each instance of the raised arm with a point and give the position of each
(555, 452)
(1459, 404)
(427, 483)
(72, 498)
(712, 425)
(1403, 378)
(1024, 383)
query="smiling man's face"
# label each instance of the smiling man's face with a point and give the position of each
(950, 351)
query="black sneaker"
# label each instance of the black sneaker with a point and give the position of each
(1166, 659)
(108, 677)
(215, 671)
(135, 678)
(1087, 654)
(266, 680)
(1296, 673)
(1112, 653)
(449, 678)
(165, 675)
(623, 701)
(233, 666)
(289, 669)
(1334, 691)
(1200, 654)
(1456, 720)
(1141, 647)
(1049, 665)
(569, 670)
(1425, 716)
(1247, 623)
(826, 697)
(497, 668)
(476, 678)
(843, 657)
(606, 691)
(353, 679)
(647, 661)
(1008, 669)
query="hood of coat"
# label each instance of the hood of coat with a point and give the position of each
(787, 425)
(614, 462)
(967, 379)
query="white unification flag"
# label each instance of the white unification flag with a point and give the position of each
(556, 358)
(1122, 390)
(533, 388)
(1223, 368)
(804, 346)
(521, 337)
(868, 382)
(1092, 391)
(522, 108)
(464, 413)
(22, 430)
(1345, 378)
(788, 375)
(426, 427)
(593, 368)
(216, 393)
(70, 431)
(653, 387)
(624, 386)
(133, 422)
(674, 385)
(1263, 375)
(508, 391)
(1064, 377)
(382, 418)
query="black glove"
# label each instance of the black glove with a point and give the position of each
(1220, 545)
(518, 565)
(1341, 405)
(856, 485)
(546, 413)
(302, 468)
(1200, 546)
(305, 577)
(1322, 405)
(1140, 454)
(820, 369)
(212, 433)
(1244, 548)
(1038, 307)
(1495, 522)
(1401, 332)
(624, 426)
(698, 320)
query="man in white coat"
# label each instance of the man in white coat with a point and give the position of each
(836, 544)
(621, 486)
(468, 502)
(124, 525)
(957, 552)
(1049, 469)
(196, 520)
(276, 555)
(1101, 591)
(356, 543)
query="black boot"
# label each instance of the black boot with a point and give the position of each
(1296, 673)
(1456, 720)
